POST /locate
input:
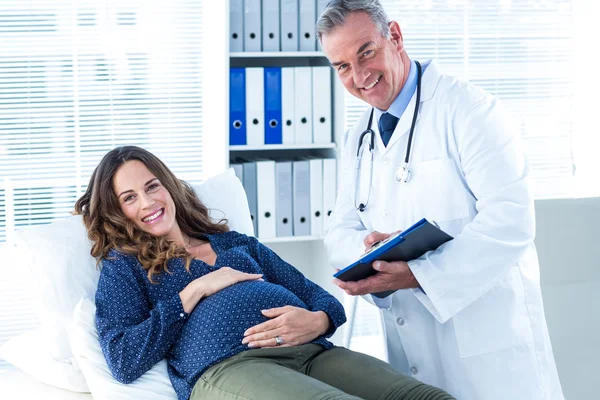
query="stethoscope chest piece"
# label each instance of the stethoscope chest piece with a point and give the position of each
(403, 174)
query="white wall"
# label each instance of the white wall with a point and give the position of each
(568, 243)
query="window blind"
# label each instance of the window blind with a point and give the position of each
(519, 51)
(78, 78)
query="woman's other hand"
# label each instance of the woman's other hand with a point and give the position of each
(291, 324)
(212, 283)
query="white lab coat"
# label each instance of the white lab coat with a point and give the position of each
(479, 332)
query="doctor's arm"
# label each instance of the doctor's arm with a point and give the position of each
(347, 237)
(345, 233)
(494, 167)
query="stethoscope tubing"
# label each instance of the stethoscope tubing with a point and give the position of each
(369, 131)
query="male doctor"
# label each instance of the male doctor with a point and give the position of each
(467, 317)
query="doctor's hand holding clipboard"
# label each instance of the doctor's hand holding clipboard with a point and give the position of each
(390, 276)
(383, 268)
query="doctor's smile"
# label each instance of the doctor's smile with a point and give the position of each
(369, 87)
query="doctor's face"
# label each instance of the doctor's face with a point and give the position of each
(371, 66)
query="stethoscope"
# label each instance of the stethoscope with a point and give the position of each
(403, 172)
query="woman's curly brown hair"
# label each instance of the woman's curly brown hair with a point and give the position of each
(108, 228)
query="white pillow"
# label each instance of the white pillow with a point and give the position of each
(225, 197)
(63, 272)
(29, 353)
(153, 385)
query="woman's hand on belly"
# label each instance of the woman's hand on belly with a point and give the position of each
(294, 325)
(211, 283)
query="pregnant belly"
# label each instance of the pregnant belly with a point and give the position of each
(218, 322)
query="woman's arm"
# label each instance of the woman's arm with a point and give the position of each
(210, 284)
(325, 313)
(133, 336)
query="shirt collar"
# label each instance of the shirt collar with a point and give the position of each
(399, 105)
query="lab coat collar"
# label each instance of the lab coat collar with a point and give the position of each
(429, 81)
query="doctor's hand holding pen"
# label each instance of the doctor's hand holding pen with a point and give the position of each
(374, 238)
(390, 275)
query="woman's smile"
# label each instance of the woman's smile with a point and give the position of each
(155, 217)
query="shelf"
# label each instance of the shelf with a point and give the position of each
(282, 147)
(276, 54)
(291, 239)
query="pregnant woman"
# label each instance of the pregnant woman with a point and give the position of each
(232, 319)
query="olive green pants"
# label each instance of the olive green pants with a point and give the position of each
(309, 372)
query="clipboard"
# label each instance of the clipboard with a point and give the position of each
(407, 245)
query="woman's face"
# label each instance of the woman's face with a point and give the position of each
(145, 201)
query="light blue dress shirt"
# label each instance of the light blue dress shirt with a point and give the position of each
(408, 90)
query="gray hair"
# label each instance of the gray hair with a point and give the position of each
(337, 10)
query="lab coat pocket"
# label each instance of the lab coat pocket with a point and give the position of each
(497, 320)
(441, 194)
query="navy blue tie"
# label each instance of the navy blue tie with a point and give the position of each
(387, 124)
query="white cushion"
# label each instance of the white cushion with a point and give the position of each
(16, 384)
(225, 197)
(153, 385)
(29, 353)
(63, 272)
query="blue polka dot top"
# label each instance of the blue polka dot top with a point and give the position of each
(140, 323)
